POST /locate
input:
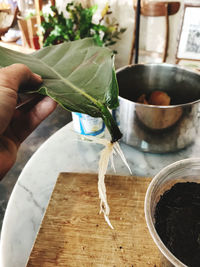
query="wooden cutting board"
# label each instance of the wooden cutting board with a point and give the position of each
(73, 233)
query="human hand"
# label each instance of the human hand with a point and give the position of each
(17, 124)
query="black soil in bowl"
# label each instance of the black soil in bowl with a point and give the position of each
(177, 221)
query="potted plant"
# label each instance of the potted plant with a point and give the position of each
(79, 24)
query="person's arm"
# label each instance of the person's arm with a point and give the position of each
(17, 124)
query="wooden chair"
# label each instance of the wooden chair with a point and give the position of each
(156, 9)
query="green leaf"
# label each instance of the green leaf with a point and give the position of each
(98, 40)
(79, 75)
(69, 23)
(93, 9)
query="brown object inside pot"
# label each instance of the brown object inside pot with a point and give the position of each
(157, 118)
(156, 98)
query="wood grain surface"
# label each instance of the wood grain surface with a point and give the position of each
(73, 233)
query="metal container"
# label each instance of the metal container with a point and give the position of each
(158, 129)
(186, 170)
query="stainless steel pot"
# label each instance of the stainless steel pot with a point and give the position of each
(153, 128)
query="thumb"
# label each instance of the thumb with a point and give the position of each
(17, 75)
(11, 78)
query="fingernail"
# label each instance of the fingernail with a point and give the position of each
(38, 77)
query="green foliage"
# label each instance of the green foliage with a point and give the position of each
(79, 75)
(57, 29)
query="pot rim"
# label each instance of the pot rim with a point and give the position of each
(147, 209)
(159, 64)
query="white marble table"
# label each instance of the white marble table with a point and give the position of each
(63, 152)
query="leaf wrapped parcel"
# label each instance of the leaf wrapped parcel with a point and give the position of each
(79, 75)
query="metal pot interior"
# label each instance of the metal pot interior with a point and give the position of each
(183, 86)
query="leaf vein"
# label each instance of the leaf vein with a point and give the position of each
(67, 82)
